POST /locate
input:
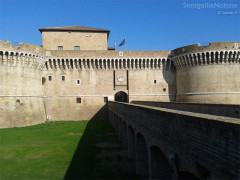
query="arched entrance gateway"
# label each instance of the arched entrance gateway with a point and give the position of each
(121, 96)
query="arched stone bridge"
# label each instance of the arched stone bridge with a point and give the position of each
(170, 144)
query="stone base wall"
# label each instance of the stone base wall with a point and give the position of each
(209, 84)
(218, 98)
(19, 111)
(60, 95)
(67, 108)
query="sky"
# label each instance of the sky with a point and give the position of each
(146, 24)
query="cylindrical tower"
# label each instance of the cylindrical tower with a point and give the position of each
(208, 74)
(21, 99)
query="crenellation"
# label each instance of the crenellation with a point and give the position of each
(207, 58)
(176, 62)
(179, 62)
(27, 60)
(234, 56)
(108, 64)
(20, 59)
(13, 63)
(34, 62)
(203, 58)
(196, 59)
(199, 57)
(8, 57)
(184, 61)
(155, 62)
(219, 57)
(211, 54)
(238, 58)
(30, 61)
(1, 58)
(231, 57)
(190, 57)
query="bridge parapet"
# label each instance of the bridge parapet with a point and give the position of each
(169, 143)
(229, 110)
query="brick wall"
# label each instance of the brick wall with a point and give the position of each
(206, 146)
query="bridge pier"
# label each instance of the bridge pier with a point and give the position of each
(124, 131)
(159, 165)
(120, 133)
(142, 166)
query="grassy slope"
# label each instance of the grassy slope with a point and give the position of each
(61, 150)
(42, 151)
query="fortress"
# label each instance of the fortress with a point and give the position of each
(74, 74)
(183, 119)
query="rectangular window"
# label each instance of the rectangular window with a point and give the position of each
(105, 99)
(63, 78)
(77, 48)
(60, 48)
(49, 78)
(79, 100)
(155, 81)
(78, 82)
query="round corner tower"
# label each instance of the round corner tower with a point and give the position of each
(21, 102)
(208, 74)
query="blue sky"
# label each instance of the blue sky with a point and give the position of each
(146, 24)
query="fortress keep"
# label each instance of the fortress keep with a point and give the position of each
(75, 73)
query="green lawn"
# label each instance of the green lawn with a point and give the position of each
(63, 150)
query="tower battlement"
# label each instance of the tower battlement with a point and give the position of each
(203, 73)
(213, 46)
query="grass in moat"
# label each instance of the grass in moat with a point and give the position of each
(63, 150)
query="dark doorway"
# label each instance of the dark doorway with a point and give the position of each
(121, 96)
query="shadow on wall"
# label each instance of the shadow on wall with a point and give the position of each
(169, 75)
(99, 154)
(102, 114)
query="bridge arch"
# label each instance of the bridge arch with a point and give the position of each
(131, 143)
(142, 167)
(121, 96)
(124, 131)
(160, 168)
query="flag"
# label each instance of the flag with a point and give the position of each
(114, 44)
(123, 42)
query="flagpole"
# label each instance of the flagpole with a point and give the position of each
(125, 43)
